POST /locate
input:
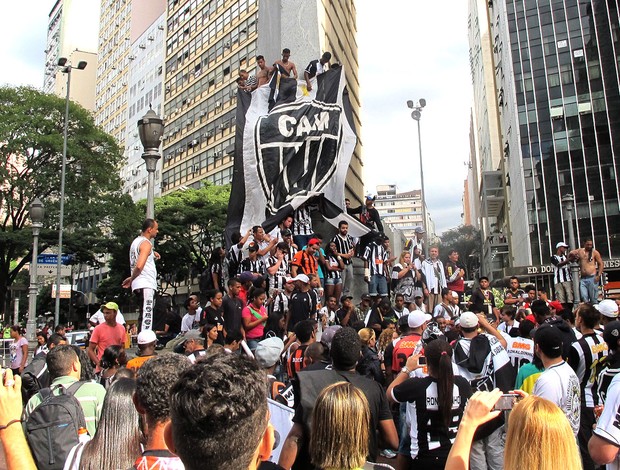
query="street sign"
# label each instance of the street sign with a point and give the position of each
(53, 259)
(65, 291)
(49, 270)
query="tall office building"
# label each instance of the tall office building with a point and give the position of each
(72, 33)
(556, 66)
(208, 43)
(403, 210)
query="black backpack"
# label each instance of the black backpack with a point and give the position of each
(35, 377)
(52, 427)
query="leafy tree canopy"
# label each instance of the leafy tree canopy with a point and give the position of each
(31, 143)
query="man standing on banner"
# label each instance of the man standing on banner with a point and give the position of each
(316, 67)
(143, 279)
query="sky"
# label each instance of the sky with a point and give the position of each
(408, 49)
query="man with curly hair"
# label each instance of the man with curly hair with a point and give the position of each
(152, 400)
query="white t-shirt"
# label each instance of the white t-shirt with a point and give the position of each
(608, 426)
(148, 276)
(97, 318)
(503, 327)
(560, 384)
(189, 322)
(520, 350)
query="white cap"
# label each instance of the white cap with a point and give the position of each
(561, 244)
(608, 307)
(469, 320)
(147, 337)
(300, 277)
(417, 318)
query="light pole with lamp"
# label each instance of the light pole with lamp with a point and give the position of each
(65, 67)
(416, 114)
(151, 128)
(37, 213)
(569, 203)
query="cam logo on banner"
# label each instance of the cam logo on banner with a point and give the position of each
(297, 150)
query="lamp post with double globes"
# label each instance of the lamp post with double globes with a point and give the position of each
(37, 213)
(65, 67)
(416, 114)
(151, 129)
(569, 204)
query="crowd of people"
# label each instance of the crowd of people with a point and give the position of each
(418, 373)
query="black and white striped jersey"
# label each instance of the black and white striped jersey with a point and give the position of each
(585, 357)
(256, 266)
(377, 257)
(277, 280)
(343, 245)
(561, 273)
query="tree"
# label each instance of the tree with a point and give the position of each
(466, 240)
(191, 223)
(31, 142)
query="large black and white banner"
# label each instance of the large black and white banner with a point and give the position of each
(290, 147)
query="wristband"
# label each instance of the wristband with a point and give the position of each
(366, 272)
(2, 428)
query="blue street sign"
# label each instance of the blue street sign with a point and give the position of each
(53, 259)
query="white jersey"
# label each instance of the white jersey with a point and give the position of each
(520, 351)
(560, 385)
(608, 426)
(148, 276)
(97, 318)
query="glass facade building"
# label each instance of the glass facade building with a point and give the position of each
(557, 68)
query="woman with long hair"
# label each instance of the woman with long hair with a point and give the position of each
(539, 434)
(41, 344)
(210, 332)
(333, 276)
(18, 350)
(404, 277)
(369, 365)
(340, 428)
(254, 317)
(116, 443)
(114, 357)
(435, 404)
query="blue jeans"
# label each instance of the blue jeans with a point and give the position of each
(377, 285)
(404, 443)
(588, 289)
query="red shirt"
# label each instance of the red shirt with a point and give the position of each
(403, 349)
(105, 335)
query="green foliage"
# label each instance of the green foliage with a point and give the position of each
(466, 240)
(31, 142)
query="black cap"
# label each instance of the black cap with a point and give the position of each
(549, 340)
(403, 320)
(611, 334)
(345, 297)
(285, 232)
(366, 297)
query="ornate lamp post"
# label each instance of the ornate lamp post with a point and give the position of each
(569, 203)
(150, 128)
(37, 213)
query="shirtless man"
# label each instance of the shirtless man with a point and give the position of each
(591, 267)
(263, 73)
(285, 66)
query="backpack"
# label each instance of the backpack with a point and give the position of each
(35, 377)
(52, 427)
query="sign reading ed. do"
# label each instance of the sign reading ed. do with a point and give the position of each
(613, 263)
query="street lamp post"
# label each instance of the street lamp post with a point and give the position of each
(416, 114)
(65, 67)
(569, 203)
(37, 213)
(150, 128)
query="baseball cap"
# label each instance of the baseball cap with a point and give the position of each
(328, 335)
(252, 246)
(285, 232)
(111, 306)
(300, 277)
(549, 340)
(192, 334)
(608, 307)
(556, 305)
(469, 320)
(268, 351)
(419, 230)
(345, 297)
(611, 334)
(246, 276)
(561, 244)
(370, 197)
(417, 318)
(147, 337)
(366, 297)
(314, 241)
